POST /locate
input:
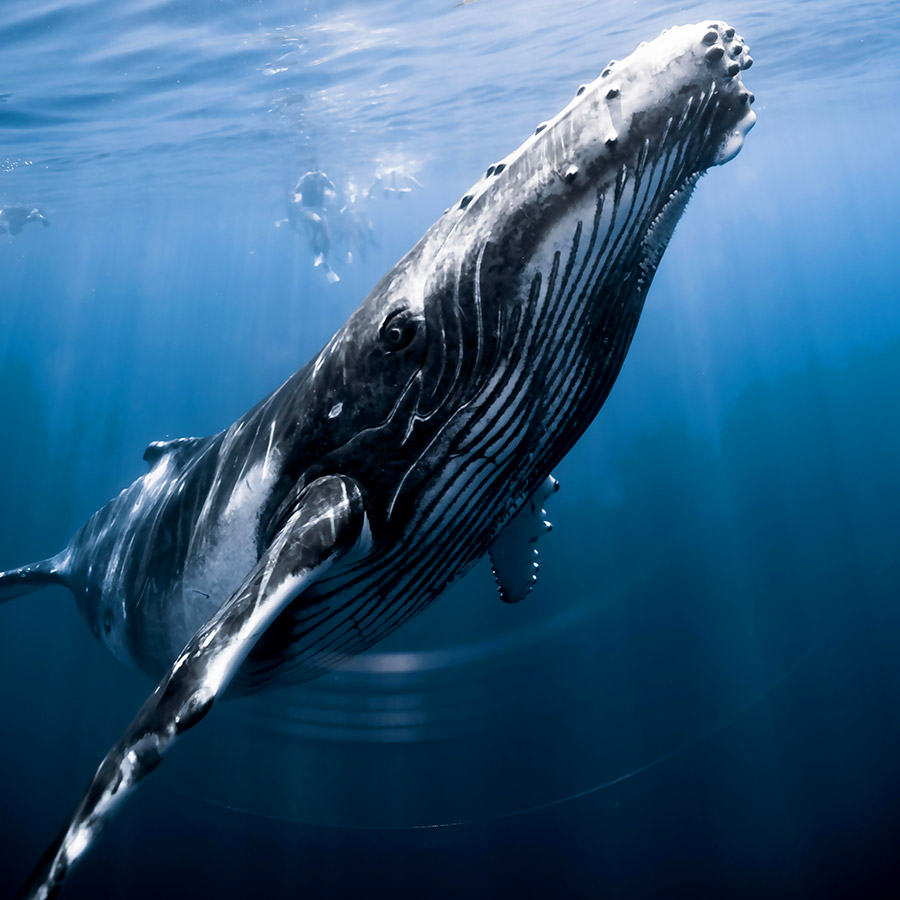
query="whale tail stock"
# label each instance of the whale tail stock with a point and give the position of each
(18, 582)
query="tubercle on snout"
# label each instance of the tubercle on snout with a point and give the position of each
(711, 56)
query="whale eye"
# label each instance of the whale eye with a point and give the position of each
(398, 330)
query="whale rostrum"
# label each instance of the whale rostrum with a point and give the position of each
(419, 439)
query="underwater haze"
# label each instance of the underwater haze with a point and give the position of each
(701, 696)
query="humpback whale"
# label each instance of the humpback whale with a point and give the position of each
(419, 439)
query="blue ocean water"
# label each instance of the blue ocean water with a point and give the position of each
(700, 697)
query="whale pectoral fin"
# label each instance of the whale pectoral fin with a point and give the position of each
(513, 553)
(329, 520)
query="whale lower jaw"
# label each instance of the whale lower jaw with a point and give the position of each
(663, 227)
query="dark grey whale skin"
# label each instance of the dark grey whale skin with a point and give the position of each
(354, 494)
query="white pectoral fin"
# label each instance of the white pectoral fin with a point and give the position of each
(328, 521)
(514, 551)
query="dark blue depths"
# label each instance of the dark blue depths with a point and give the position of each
(699, 699)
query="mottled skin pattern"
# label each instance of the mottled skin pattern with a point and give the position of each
(355, 493)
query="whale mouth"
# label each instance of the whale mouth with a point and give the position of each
(662, 227)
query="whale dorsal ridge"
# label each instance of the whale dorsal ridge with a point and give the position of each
(158, 449)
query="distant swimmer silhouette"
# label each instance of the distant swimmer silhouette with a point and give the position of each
(308, 213)
(15, 218)
(392, 183)
(353, 229)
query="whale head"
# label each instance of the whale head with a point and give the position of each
(608, 177)
(486, 351)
